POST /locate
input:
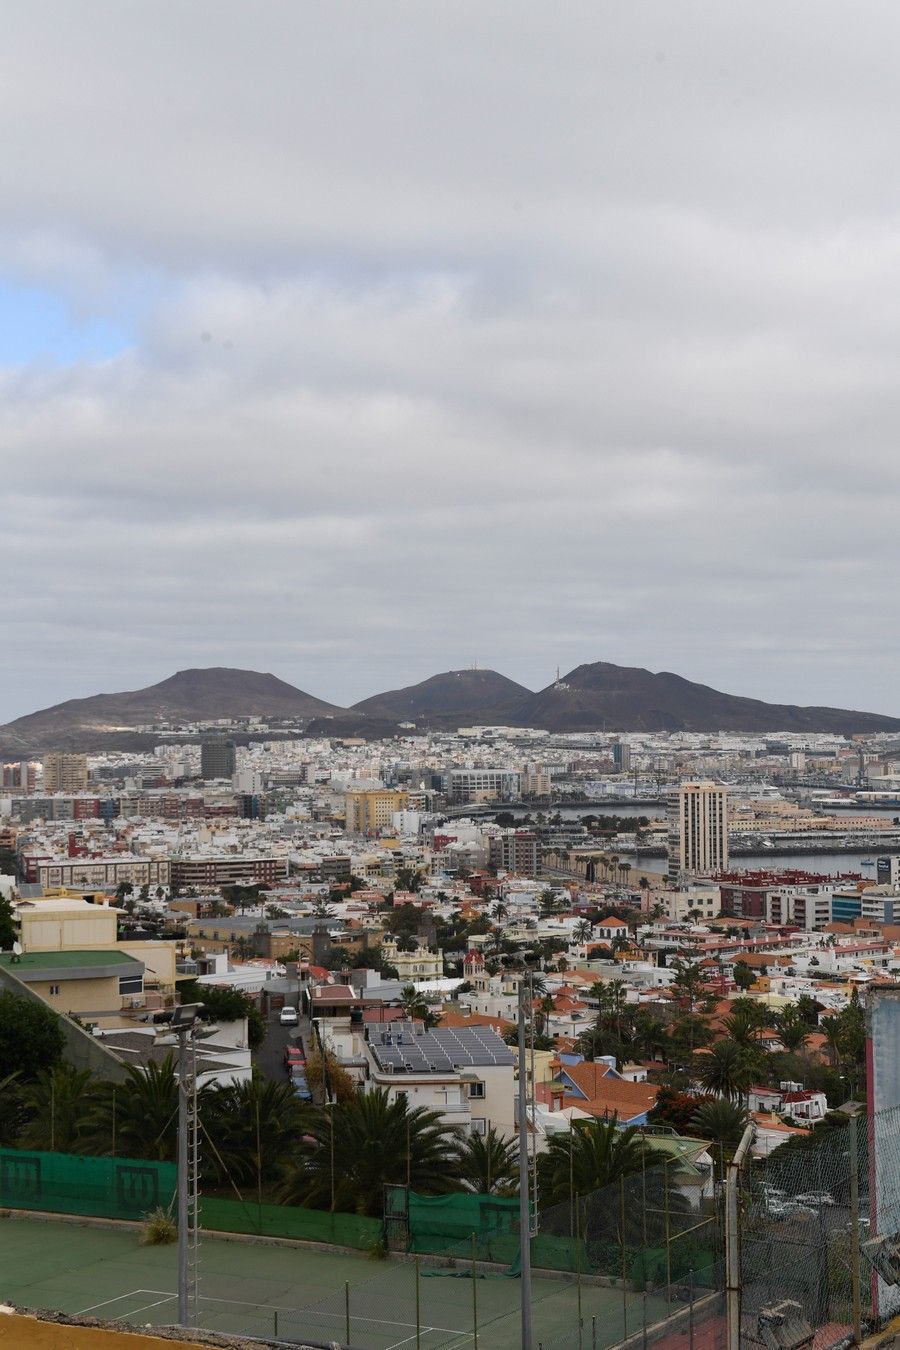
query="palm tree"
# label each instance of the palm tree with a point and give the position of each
(793, 1029)
(650, 1034)
(832, 1030)
(743, 1028)
(500, 910)
(592, 1155)
(138, 1118)
(727, 1069)
(541, 1013)
(12, 1114)
(251, 1129)
(60, 1102)
(415, 1006)
(583, 931)
(489, 1164)
(353, 1151)
(537, 985)
(722, 1122)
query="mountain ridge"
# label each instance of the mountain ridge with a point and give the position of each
(597, 696)
(194, 694)
(447, 694)
(601, 696)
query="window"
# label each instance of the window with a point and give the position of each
(479, 1125)
(476, 1089)
(131, 984)
(54, 989)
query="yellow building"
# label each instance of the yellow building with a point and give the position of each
(65, 924)
(370, 811)
(89, 983)
(65, 773)
(421, 964)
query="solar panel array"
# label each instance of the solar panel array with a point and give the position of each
(443, 1050)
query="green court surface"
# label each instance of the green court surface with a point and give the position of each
(284, 1292)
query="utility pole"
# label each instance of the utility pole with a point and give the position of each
(524, 1178)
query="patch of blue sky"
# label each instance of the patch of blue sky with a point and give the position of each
(37, 325)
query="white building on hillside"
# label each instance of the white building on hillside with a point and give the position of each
(465, 1073)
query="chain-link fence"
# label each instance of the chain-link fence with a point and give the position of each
(818, 1229)
(637, 1262)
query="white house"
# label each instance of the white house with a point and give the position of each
(465, 1073)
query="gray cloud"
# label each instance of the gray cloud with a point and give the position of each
(486, 331)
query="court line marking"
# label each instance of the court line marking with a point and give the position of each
(118, 1299)
(170, 1298)
(272, 1307)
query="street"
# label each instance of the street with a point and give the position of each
(269, 1058)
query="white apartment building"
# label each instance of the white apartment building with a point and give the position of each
(482, 785)
(698, 830)
(465, 1073)
(680, 906)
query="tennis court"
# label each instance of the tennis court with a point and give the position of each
(290, 1292)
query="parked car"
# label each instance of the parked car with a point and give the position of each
(300, 1085)
(788, 1209)
(293, 1054)
(288, 1016)
(815, 1198)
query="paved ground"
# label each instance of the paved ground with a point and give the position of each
(270, 1055)
(295, 1292)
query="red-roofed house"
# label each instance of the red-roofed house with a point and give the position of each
(611, 928)
(791, 1100)
(597, 1088)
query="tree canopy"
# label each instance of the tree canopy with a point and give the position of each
(31, 1037)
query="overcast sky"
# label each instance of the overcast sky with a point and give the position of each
(359, 341)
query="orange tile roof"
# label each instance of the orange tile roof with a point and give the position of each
(595, 1082)
(455, 1019)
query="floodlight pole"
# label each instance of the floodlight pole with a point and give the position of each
(183, 1314)
(524, 1178)
(181, 1022)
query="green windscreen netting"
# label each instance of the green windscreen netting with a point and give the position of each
(68, 1183)
(128, 1188)
(446, 1222)
(485, 1227)
(289, 1221)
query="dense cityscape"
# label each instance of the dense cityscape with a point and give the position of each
(442, 962)
(449, 725)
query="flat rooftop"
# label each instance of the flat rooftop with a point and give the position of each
(71, 965)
